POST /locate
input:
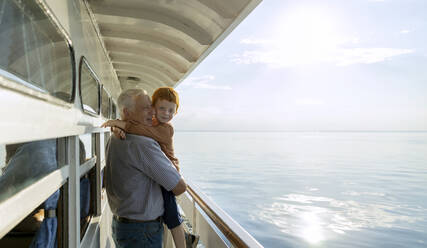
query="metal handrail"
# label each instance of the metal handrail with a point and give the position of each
(235, 233)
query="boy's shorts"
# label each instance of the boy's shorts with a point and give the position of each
(171, 216)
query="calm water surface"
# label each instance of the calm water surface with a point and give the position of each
(315, 189)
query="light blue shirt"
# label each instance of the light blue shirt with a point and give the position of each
(135, 169)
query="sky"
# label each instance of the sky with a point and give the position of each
(312, 65)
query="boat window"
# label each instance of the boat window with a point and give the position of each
(89, 89)
(113, 111)
(87, 200)
(106, 137)
(2, 158)
(25, 163)
(87, 181)
(33, 52)
(86, 147)
(102, 179)
(37, 227)
(105, 103)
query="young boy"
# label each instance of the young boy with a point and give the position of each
(165, 101)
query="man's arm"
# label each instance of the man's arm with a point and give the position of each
(154, 164)
(180, 188)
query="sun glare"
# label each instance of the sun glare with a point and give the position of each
(308, 36)
(313, 231)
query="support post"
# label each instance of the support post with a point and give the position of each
(74, 193)
(99, 145)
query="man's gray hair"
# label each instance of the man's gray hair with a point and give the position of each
(127, 98)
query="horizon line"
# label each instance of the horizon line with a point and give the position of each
(231, 130)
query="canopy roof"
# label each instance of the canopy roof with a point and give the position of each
(154, 43)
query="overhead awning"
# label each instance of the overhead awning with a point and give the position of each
(154, 43)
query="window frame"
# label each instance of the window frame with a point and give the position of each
(113, 106)
(83, 60)
(109, 102)
(33, 90)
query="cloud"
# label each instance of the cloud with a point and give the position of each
(203, 82)
(255, 41)
(285, 55)
(367, 55)
(405, 31)
(308, 101)
(308, 37)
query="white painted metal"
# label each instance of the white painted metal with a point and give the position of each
(98, 233)
(103, 144)
(106, 219)
(98, 189)
(17, 207)
(74, 193)
(87, 165)
(91, 237)
(208, 236)
(35, 119)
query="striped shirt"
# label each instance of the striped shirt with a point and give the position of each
(135, 169)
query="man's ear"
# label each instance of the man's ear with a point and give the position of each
(125, 113)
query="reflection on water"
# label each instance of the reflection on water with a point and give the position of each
(315, 219)
(312, 232)
(334, 190)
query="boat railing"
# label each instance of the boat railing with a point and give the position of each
(215, 227)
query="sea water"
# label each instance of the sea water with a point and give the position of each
(315, 189)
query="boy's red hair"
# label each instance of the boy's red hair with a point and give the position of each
(165, 93)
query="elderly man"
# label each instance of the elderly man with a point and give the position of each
(135, 169)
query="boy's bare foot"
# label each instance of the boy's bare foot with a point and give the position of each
(191, 240)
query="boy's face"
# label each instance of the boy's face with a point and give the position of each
(165, 110)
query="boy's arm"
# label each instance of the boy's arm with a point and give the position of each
(175, 162)
(161, 133)
(119, 133)
(115, 123)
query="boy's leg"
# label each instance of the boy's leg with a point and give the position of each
(178, 236)
(173, 219)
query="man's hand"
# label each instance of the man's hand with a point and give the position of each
(119, 133)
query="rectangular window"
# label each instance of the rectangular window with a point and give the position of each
(26, 163)
(38, 227)
(89, 89)
(105, 106)
(33, 51)
(86, 147)
(2, 158)
(87, 200)
(113, 111)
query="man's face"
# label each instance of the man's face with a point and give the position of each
(143, 111)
